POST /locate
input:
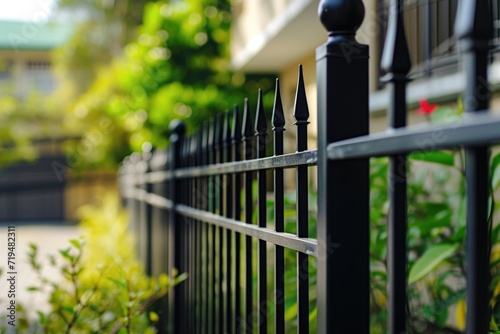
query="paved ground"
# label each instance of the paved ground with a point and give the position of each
(49, 238)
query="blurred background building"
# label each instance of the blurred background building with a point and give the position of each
(277, 35)
(42, 189)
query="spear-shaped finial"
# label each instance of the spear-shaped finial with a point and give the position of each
(260, 118)
(278, 114)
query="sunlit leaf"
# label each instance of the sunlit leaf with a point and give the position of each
(432, 257)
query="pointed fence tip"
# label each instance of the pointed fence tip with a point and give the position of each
(260, 117)
(395, 60)
(278, 118)
(236, 128)
(246, 126)
(219, 123)
(226, 131)
(301, 108)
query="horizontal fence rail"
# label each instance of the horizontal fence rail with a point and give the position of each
(290, 160)
(473, 130)
(203, 205)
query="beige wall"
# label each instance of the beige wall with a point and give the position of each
(254, 18)
(250, 18)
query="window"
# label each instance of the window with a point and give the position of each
(38, 77)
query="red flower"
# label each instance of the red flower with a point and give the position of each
(426, 108)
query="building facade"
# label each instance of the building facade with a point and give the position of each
(44, 189)
(278, 35)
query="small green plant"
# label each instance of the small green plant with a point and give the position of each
(103, 287)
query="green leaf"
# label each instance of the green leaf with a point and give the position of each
(65, 253)
(33, 288)
(495, 171)
(432, 257)
(438, 157)
(75, 243)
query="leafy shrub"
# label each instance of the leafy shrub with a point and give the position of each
(104, 288)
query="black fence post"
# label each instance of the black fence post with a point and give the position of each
(178, 129)
(343, 186)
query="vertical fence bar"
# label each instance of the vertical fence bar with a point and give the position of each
(193, 256)
(474, 28)
(228, 211)
(247, 134)
(200, 236)
(236, 141)
(260, 134)
(278, 120)
(159, 162)
(206, 230)
(143, 220)
(147, 216)
(184, 240)
(176, 140)
(301, 115)
(169, 243)
(343, 186)
(186, 232)
(428, 28)
(212, 208)
(219, 147)
(396, 63)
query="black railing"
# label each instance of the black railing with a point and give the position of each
(195, 210)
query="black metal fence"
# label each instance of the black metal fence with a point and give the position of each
(195, 209)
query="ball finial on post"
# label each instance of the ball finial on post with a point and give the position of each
(341, 18)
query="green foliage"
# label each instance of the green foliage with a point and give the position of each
(104, 288)
(177, 67)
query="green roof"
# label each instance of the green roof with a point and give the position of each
(18, 35)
